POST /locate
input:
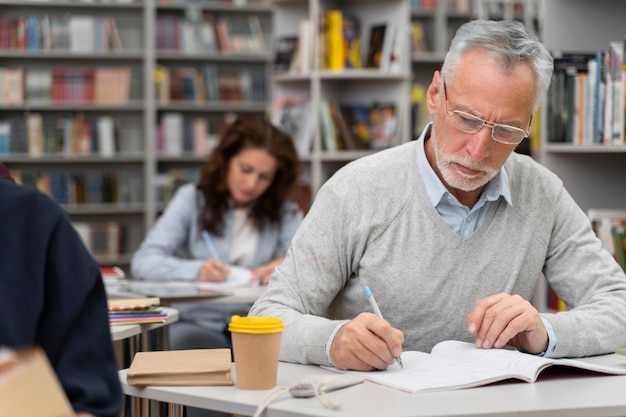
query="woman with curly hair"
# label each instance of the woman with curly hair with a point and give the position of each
(244, 203)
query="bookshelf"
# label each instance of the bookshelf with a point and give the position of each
(316, 84)
(591, 173)
(87, 124)
(433, 24)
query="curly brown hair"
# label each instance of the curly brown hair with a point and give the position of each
(248, 132)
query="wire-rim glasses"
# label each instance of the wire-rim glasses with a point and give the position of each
(468, 123)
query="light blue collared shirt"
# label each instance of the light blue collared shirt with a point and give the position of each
(463, 220)
(459, 217)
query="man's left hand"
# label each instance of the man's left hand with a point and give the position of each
(503, 319)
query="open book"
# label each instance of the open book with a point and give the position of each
(453, 365)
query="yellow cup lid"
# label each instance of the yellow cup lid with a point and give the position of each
(255, 325)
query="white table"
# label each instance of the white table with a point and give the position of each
(223, 295)
(558, 393)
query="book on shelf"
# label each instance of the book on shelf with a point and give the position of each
(12, 83)
(5, 137)
(357, 118)
(356, 126)
(419, 110)
(285, 53)
(399, 48)
(181, 367)
(383, 125)
(293, 114)
(418, 38)
(379, 44)
(73, 32)
(609, 226)
(345, 137)
(453, 365)
(614, 119)
(302, 60)
(103, 239)
(81, 28)
(351, 31)
(26, 374)
(586, 97)
(335, 50)
(328, 129)
(340, 40)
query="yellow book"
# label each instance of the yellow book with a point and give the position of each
(334, 40)
(181, 367)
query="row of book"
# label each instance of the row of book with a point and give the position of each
(204, 31)
(179, 134)
(77, 188)
(210, 83)
(216, 2)
(342, 126)
(73, 33)
(37, 136)
(104, 240)
(95, 1)
(343, 44)
(610, 227)
(358, 126)
(586, 100)
(106, 85)
(167, 182)
(424, 5)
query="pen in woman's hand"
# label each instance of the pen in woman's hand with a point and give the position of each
(209, 245)
(374, 304)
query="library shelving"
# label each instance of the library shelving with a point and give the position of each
(433, 25)
(328, 84)
(83, 101)
(592, 173)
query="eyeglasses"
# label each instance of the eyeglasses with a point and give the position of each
(468, 123)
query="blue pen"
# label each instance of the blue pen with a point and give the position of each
(209, 245)
(374, 304)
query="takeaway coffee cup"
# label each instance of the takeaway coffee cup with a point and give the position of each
(256, 345)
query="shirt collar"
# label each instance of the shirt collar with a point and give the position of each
(498, 186)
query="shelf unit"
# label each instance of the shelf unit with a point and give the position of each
(348, 86)
(439, 20)
(592, 174)
(136, 158)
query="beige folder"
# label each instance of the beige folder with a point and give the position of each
(29, 387)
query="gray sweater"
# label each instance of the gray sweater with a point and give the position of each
(372, 224)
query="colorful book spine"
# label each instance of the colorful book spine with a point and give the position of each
(334, 38)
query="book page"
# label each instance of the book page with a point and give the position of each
(527, 365)
(238, 277)
(512, 362)
(425, 372)
(453, 365)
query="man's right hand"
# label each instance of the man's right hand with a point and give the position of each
(366, 343)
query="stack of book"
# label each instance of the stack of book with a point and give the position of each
(136, 311)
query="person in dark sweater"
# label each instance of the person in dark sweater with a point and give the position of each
(5, 173)
(52, 295)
